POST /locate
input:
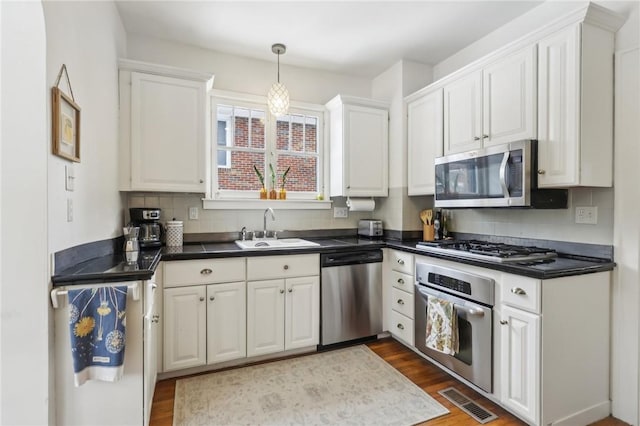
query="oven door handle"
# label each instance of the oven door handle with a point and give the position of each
(478, 312)
(503, 175)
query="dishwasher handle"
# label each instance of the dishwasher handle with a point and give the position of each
(351, 258)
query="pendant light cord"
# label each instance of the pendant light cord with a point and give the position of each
(278, 67)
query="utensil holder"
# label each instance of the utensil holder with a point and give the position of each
(428, 232)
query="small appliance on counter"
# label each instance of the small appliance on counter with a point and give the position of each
(148, 220)
(371, 228)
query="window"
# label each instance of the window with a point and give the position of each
(247, 135)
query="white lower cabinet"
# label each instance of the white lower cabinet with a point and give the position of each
(282, 314)
(185, 318)
(226, 322)
(520, 359)
(399, 291)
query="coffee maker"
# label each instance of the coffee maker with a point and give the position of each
(148, 220)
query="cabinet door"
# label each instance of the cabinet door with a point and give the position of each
(265, 317)
(185, 319)
(509, 99)
(366, 135)
(463, 114)
(558, 109)
(150, 343)
(520, 362)
(226, 322)
(168, 134)
(425, 139)
(302, 312)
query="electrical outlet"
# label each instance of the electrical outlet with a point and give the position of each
(341, 212)
(587, 215)
(69, 210)
(193, 213)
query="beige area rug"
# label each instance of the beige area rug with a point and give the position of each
(351, 386)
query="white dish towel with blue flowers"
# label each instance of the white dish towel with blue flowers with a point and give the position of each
(97, 320)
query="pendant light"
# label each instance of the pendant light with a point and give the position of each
(278, 96)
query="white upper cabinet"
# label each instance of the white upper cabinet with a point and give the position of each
(163, 135)
(463, 114)
(491, 106)
(359, 145)
(425, 138)
(575, 94)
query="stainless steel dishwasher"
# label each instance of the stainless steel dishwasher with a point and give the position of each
(351, 296)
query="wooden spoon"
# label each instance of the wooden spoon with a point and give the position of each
(425, 216)
(429, 217)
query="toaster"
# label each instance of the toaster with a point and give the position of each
(370, 227)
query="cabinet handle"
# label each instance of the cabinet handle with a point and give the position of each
(485, 136)
(202, 299)
(290, 290)
(212, 298)
(504, 322)
(281, 291)
(400, 281)
(518, 290)
(206, 271)
(400, 262)
(286, 267)
(401, 327)
(476, 138)
(400, 302)
(541, 171)
(201, 181)
(154, 286)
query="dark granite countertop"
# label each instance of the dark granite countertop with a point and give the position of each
(111, 268)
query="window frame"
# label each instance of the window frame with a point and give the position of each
(216, 198)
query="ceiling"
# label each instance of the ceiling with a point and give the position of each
(360, 38)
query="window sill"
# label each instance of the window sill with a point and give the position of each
(258, 204)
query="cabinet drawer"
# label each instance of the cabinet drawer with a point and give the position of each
(401, 261)
(521, 292)
(402, 302)
(270, 267)
(402, 327)
(402, 281)
(205, 271)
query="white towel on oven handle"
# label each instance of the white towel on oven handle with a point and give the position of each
(442, 326)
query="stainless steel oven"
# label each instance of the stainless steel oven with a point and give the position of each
(472, 297)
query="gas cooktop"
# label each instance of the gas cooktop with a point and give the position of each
(484, 250)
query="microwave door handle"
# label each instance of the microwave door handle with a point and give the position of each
(503, 174)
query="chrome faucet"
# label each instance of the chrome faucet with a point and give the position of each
(273, 217)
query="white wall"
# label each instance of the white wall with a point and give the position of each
(235, 73)
(24, 358)
(625, 359)
(89, 38)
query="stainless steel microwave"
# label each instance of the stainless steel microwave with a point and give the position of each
(495, 176)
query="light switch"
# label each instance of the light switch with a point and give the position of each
(69, 177)
(193, 213)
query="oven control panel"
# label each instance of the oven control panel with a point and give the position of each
(448, 282)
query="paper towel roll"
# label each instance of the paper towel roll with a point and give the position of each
(361, 204)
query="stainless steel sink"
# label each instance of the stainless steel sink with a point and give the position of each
(275, 243)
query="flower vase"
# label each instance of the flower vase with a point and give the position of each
(273, 194)
(263, 193)
(282, 194)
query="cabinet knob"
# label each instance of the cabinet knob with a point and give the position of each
(541, 171)
(476, 138)
(518, 290)
(400, 281)
(286, 267)
(281, 291)
(290, 290)
(400, 302)
(485, 136)
(202, 299)
(201, 181)
(400, 326)
(504, 322)
(400, 262)
(155, 319)
(212, 298)
(206, 271)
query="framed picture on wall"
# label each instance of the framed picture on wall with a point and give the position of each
(66, 126)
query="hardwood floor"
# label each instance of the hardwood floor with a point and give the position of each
(420, 371)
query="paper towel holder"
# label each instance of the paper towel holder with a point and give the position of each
(361, 204)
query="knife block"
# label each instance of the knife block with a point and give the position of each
(427, 232)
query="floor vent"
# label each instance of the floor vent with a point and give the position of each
(476, 411)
